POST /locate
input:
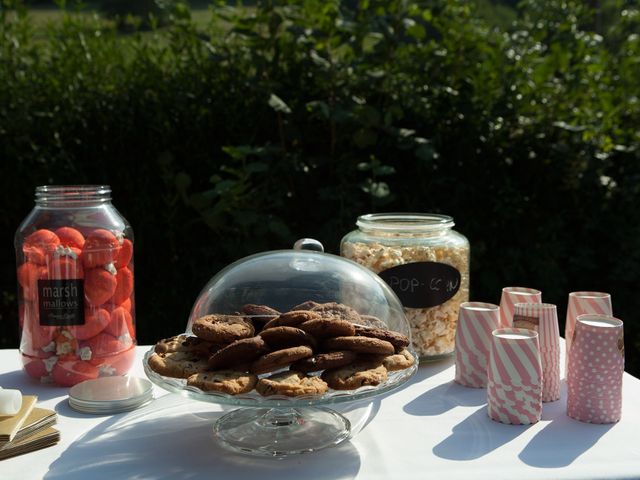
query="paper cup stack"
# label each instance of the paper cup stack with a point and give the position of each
(476, 321)
(513, 295)
(543, 318)
(514, 390)
(583, 303)
(596, 367)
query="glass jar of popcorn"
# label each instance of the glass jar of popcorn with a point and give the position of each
(74, 255)
(426, 263)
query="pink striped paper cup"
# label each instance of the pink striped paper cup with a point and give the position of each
(543, 318)
(514, 387)
(476, 321)
(596, 368)
(583, 303)
(511, 296)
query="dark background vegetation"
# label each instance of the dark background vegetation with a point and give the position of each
(228, 130)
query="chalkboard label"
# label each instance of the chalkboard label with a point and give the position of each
(423, 284)
(61, 302)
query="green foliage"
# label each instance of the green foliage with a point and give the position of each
(130, 14)
(289, 119)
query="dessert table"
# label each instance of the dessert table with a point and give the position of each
(429, 428)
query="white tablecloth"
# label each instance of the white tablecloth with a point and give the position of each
(430, 428)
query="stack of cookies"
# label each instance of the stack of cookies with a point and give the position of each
(305, 351)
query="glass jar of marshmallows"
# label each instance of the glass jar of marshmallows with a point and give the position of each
(74, 255)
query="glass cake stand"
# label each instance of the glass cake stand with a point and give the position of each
(278, 425)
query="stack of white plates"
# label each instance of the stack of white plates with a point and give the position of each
(108, 395)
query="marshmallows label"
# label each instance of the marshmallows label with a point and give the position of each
(61, 302)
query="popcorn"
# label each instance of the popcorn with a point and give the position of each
(433, 329)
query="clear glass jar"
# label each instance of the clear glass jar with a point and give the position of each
(426, 263)
(74, 255)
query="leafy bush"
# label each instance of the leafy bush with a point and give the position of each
(287, 120)
(141, 14)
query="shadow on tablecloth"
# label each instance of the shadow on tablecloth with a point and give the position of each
(443, 398)
(561, 442)
(173, 438)
(19, 380)
(563, 439)
(476, 436)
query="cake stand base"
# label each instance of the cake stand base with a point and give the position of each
(277, 432)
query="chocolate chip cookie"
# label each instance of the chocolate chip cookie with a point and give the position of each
(226, 381)
(396, 339)
(328, 327)
(337, 310)
(308, 305)
(241, 351)
(222, 328)
(371, 321)
(291, 384)
(258, 315)
(355, 375)
(359, 344)
(186, 343)
(398, 361)
(177, 364)
(323, 361)
(279, 359)
(292, 319)
(284, 337)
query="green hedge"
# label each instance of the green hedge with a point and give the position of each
(281, 121)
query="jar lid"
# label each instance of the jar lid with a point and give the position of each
(107, 395)
(405, 222)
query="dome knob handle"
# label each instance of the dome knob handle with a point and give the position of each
(308, 244)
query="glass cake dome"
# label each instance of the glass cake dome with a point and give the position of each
(285, 280)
